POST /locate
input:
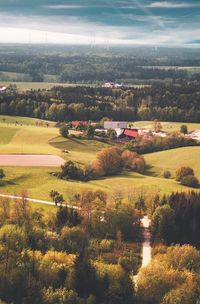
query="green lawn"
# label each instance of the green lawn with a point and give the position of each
(38, 182)
(173, 159)
(81, 151)
(167, 126)
(6, 135)
(27, 139)
(6, 121)
(24, 86)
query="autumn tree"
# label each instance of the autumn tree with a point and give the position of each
(108, 162)
(182, 172)
(133, 161)
(157, 126)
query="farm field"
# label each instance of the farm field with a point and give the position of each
(167, 126)
(27, 139)
(30, 160)
(190, 69)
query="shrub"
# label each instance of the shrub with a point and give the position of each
(71, 171)
(64, 131)
(73, 240)
(111, 134)
(2, 174)
(166, 174)
(106, 245)
(182, 172)
(130, 262)
(184, 129)
(190, 181)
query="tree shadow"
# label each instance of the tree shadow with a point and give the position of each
(15, 180)
(150, 171)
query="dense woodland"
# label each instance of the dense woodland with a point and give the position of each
(167, 102)
(69, 256)
(85, 64)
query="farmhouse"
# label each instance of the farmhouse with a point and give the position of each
(112, 85)
(195, 135)
(3, 88)
(115, 125)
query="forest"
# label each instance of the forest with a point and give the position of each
(166, 102)
(95, 64)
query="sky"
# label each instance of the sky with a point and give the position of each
(107, 22)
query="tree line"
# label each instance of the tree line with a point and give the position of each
(161, 101)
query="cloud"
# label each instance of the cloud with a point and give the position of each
(63, 6)
(166, 4)
(114, 23)
(73, 30)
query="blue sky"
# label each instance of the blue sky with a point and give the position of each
(137, 22)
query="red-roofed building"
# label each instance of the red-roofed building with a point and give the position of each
(131, 133)
(79, 123)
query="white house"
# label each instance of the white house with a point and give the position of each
(115, 125)
(3, 88)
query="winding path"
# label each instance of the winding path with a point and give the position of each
(146, 246)
(33, 200)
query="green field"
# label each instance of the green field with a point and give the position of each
(24, 86)
(39, 183)
(167, 126)
(30, 138)
(173, 159)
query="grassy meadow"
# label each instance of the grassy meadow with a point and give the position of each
(173, 159)
(24, 86)
(167, 126)
(29, 138)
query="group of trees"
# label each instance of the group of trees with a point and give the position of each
(54, 257)
(172, 277)
(176, 219)
(108, 162)
(111, 161)
(160, 101)
(185, 175)
(143, 145)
